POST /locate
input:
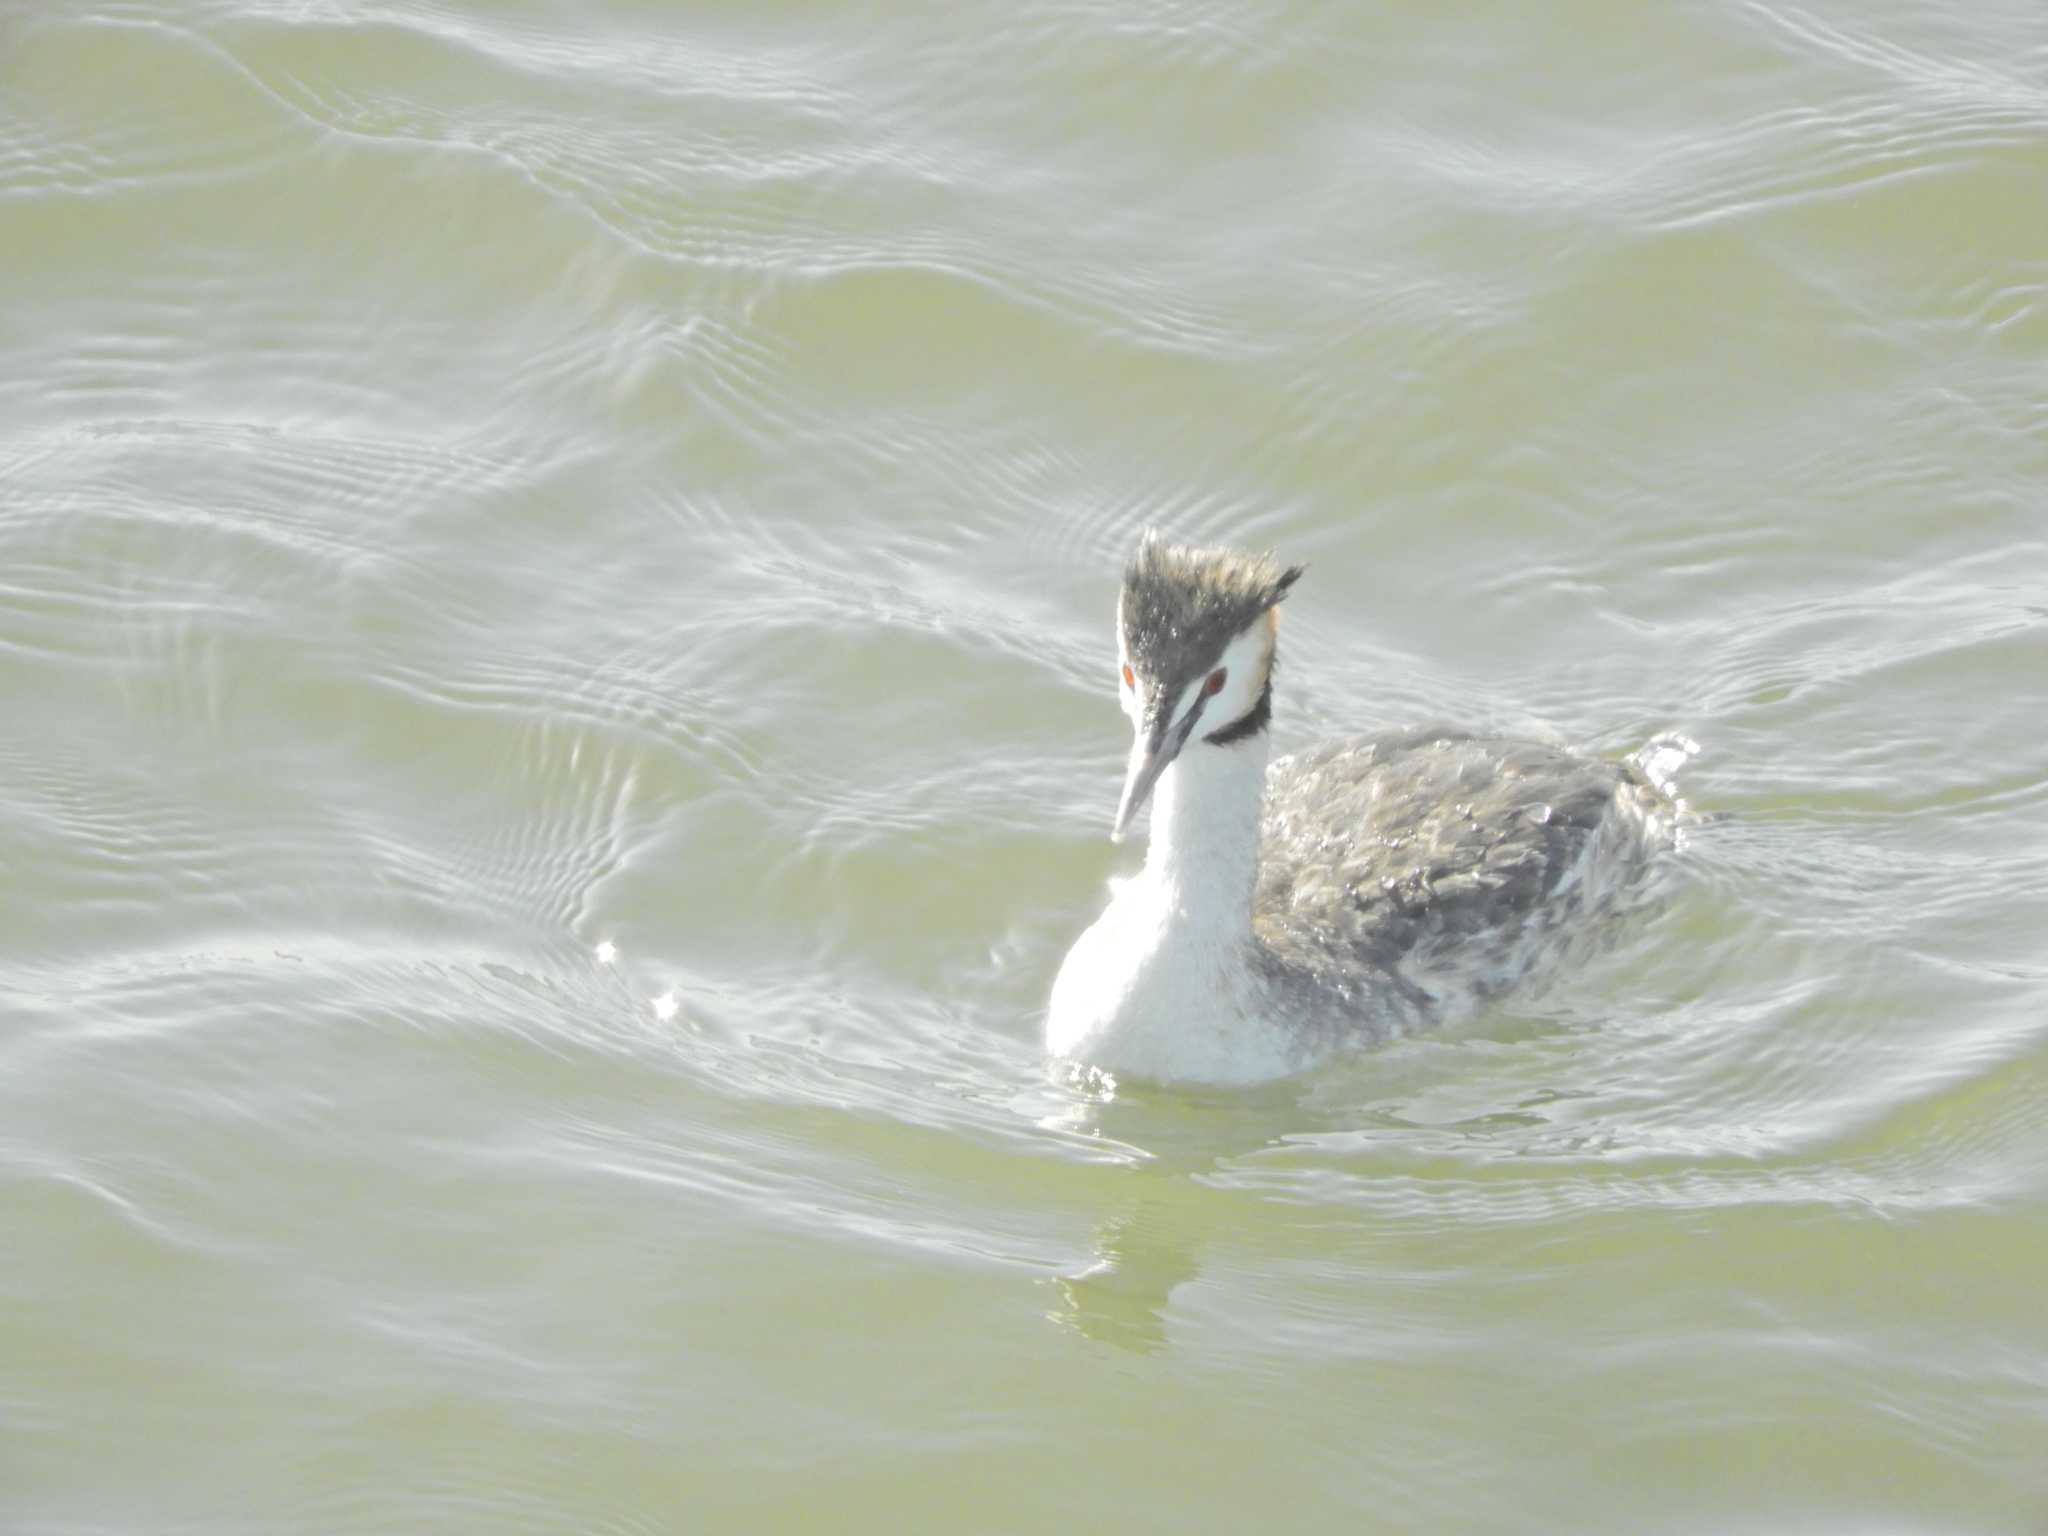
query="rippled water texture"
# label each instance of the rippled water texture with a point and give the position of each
(555, 575)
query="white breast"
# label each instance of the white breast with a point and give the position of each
(1147, 992)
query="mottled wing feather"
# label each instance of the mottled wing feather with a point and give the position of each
(1398, 856)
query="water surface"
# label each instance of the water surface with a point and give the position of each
(556, 566)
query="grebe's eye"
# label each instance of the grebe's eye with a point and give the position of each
(1130, 678)
(1216, 681)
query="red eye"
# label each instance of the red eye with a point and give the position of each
(1130, 679)
(1216, 681)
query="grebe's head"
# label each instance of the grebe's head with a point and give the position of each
(1195, 637)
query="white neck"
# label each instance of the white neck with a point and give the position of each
(1159, 986)
(1204, 852)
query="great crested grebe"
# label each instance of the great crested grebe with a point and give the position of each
(1286, 913)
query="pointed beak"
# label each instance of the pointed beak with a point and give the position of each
(1157, 745)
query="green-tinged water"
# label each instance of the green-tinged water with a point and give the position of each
(556, 568)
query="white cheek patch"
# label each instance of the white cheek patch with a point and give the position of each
(1247, 662)
(1249, 656)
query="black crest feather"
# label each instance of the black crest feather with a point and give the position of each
(1182, 605)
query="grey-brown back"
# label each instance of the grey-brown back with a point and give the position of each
(1399, 868)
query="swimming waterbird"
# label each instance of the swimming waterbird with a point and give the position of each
(1288, 912)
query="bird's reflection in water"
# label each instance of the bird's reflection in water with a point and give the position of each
(1141, 1254)
(1151, 1237)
